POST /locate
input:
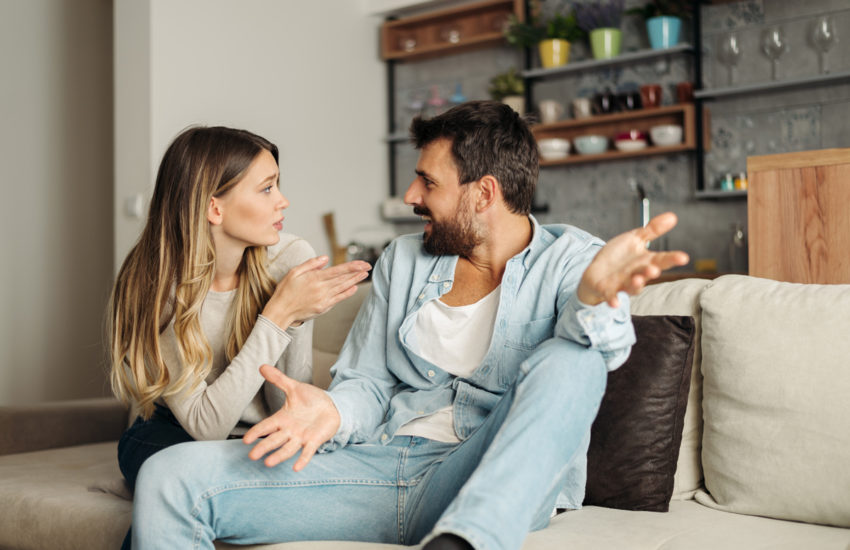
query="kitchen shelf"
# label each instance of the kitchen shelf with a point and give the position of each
(448, 31)
(721, 195)
(609, 126)
(748, 89)
(595, 64)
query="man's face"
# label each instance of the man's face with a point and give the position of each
(446, 206)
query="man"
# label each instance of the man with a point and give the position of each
(462, 400)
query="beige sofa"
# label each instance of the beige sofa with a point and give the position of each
(764, 460)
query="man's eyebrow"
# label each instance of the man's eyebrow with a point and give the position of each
(423, 174)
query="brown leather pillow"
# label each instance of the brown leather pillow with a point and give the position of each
(634, 441)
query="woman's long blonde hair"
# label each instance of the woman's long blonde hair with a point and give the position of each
(168, 272)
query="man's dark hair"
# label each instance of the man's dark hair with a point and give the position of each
(488, 138)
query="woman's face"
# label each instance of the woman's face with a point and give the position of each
(251, 212)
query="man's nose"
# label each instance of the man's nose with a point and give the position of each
(413, 195)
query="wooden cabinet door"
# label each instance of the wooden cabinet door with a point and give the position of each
(798, 205)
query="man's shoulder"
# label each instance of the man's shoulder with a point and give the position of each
(567, 236)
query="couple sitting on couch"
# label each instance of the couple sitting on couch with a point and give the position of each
(485, 342)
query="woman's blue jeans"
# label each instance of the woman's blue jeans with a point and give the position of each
(490, 489)
(141, 440)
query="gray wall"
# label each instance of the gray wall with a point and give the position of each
(56, 146)
(598, 197)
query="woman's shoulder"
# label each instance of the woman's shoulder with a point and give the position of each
(290, 251)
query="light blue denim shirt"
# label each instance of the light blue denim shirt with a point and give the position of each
(379, 383)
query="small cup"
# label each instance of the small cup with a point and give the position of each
(604, 103)
(685, 92)
(550, 111)
(650, 95)
(582, 107)
(628, 101)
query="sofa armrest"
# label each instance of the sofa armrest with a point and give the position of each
(61, 424)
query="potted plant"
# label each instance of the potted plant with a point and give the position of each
(552, 37)
(509, 88)
(664, 20)
(601, 20)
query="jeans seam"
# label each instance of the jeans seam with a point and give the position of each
(402, 461)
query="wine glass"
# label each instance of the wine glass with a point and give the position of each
(823, 39)
(729, 53)
(773, 45)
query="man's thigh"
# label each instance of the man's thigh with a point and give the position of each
(348, 494)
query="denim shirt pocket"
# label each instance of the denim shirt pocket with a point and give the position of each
(528, 335)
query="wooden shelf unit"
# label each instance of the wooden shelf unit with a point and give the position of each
(478, 25)
(610, 125)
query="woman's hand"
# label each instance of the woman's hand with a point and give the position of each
(307, 290)
(625, 263)
(307, 419)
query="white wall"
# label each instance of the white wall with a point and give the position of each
(305, 75)
(56, 221)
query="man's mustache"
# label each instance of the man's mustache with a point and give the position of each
(421, 211)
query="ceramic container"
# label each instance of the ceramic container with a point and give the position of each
(591, 144)
(666, 134)
(553, 148)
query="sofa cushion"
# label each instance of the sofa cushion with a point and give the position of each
(682, 298)
(66, 498)
(634, 441)
(776, 368)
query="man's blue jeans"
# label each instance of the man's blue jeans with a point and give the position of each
(490, 489)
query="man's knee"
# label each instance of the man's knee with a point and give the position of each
(167, 470)
(566, 364)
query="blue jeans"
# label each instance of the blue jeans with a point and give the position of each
(491, 489)
(141, 440)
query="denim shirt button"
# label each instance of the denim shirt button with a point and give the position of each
(434, 277)
(384, 437)
(422, 296)
(431, 373)
(446, 284)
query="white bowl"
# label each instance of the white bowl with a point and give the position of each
(666, 134)
(630, 144)
(554, 148)
(591, 144)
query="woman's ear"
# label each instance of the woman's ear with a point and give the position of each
(214, 212)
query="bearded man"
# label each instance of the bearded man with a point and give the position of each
(461, 404)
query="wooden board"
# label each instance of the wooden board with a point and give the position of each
(799, 216)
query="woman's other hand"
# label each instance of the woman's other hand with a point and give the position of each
(308, 290)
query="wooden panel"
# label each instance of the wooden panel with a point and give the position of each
(799, 216)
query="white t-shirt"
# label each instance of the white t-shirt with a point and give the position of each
(455, 339)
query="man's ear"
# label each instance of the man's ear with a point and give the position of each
(488, 193)
(214, 212)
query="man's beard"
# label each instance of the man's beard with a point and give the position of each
(454, 237)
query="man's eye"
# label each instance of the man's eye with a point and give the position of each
(268, 189)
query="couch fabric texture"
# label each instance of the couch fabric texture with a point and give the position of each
(769, 371)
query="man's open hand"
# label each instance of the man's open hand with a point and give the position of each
(625, 263)
(307, 419)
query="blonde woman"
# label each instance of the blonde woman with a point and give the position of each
(211, 291)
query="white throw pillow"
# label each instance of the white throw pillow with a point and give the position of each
(776, 399)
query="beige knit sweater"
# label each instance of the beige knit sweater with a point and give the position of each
(235, 396)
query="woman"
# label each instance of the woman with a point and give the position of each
(197, 306)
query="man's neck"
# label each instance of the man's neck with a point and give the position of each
(479, 273)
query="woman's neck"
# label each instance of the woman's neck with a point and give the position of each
(226, 276)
